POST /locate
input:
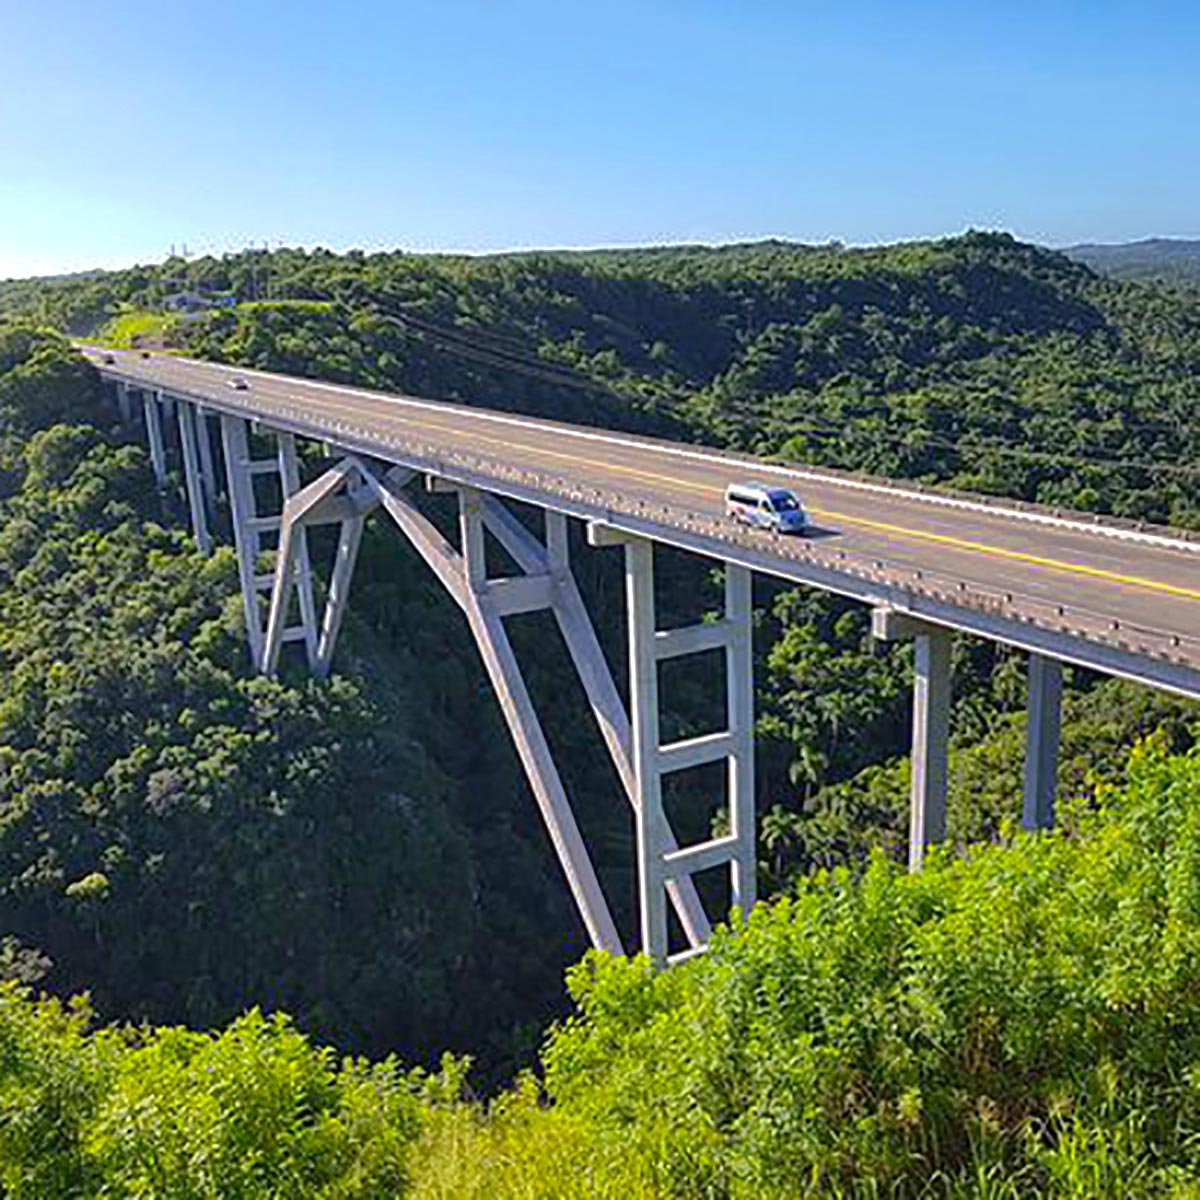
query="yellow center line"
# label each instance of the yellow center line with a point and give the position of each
(958, 543)
(1018, 555)
(883, 526)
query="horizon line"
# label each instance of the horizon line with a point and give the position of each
(720, 244)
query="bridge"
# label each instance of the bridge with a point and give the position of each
(1113, 596)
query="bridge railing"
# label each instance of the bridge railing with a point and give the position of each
(1009, 604)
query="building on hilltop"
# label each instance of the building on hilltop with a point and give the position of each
(190, 301)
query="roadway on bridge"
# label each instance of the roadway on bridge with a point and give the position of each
(1148, 583)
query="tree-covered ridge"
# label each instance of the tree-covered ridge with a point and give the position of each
(899, 346)
(187, 840)
(977, 360)
(1022, 1021)
(1160, 260)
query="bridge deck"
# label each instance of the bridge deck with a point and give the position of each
(1104, 595)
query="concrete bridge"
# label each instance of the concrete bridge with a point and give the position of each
(1114, 596)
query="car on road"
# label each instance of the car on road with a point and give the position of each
(775, 508)
(239, 383)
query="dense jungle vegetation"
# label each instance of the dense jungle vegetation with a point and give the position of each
(186, 841)
(1020, 1021)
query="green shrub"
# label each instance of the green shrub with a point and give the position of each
(53, 1076)
(1034, 1006)
(252, 1113)
(1021, 1020)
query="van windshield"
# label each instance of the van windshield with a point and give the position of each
(784, 502)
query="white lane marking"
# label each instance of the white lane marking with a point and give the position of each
(716, 459)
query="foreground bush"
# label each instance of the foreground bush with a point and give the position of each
(1021, 1021)
(1027, 1014)
(251, 1113)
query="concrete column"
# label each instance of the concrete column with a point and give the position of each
(191, 476)
(931, 735)
(931, 724)
(281, 594)
(236, 446)
(557, 553)
(643, 709)
(170, 427)
(289, 477)
(154, 435)
(666, 870)
(349, 537)
(739, 682)
(474, 553)
(1043, 725)
(204, 444)
(123, 402)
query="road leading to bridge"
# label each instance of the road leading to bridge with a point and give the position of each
(1133, 587)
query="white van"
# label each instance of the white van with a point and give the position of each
(766, 507)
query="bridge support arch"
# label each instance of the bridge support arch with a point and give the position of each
(352, 488)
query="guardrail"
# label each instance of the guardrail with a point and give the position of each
(937, 494)
(1011, 605)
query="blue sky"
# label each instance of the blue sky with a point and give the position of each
(486, 125)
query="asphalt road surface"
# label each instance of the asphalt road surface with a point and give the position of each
(1151, 582)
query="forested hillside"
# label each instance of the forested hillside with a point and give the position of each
(1161, 260)
(186, 840)
(978, 360)
(182, 837)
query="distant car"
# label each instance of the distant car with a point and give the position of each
(145, 353)
(766, 507)
(109, 359)
(239, 383)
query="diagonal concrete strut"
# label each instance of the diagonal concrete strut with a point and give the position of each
(484, 602)
(592, 667)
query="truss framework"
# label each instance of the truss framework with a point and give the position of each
(253, 530)
(662, 864)
(354, 487)
(346, 494)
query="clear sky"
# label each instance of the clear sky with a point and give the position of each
(130, 126)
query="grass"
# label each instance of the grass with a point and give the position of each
(137, 327)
